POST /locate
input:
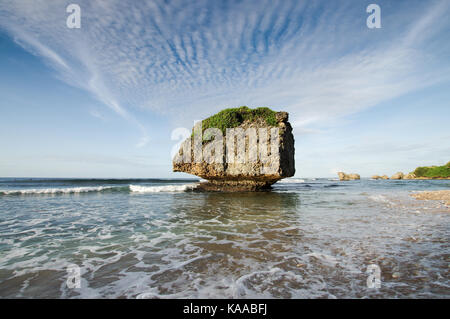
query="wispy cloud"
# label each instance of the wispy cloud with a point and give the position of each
(316, 60)
(95, 113)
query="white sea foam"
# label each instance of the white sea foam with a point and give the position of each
(159, 189)
(78, 190)
(324, 258)
(72, 190)
(379, 198)
(291, 181)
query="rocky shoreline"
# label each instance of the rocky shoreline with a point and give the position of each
(397, 176)
(420, 173)
(441, 195)
(409, 176)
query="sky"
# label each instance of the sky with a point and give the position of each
(105, 100)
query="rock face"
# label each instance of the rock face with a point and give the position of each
(409, 176)
(380, 177)
(249, 156)
(398, 175)
(348, 177)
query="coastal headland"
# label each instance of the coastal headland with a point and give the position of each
(423, 173)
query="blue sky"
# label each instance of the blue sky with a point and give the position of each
(103, 100)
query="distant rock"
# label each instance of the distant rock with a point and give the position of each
(409, 176)
(380, 177)
(398, 175)
(348, 177)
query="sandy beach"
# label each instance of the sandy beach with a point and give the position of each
(443, 195)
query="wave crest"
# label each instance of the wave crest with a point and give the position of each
(79, 190)
(72, 190)
(160, 189)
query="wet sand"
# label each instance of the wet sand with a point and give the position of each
(443, 195)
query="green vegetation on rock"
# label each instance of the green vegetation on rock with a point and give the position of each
(233, 117)
(433, 171)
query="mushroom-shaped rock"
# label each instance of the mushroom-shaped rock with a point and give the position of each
(239, 149)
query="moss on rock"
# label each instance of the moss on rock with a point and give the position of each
(233, 117)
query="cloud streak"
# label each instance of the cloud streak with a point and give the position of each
(316, 60)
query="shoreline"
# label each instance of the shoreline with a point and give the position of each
(441, 195)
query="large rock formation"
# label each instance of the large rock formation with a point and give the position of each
(239, 150)
(348, 177)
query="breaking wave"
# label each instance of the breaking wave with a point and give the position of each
(72, 190)
(159, 189)
(99, 189)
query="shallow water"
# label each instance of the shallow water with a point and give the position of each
(158, 239)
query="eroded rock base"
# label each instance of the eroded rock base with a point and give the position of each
(234, 186)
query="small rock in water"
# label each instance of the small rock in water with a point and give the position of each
(396, 275)
(348, 177)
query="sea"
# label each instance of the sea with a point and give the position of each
(159, 238)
